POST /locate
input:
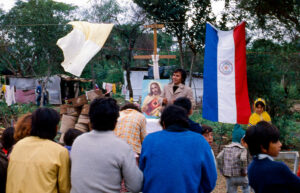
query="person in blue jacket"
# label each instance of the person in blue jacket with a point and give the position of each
(266, 175)
(176, 159)
(38, 92)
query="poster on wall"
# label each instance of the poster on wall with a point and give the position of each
(151, 97)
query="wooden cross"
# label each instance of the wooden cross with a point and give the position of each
(155, 27)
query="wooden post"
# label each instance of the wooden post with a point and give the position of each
(154, 27)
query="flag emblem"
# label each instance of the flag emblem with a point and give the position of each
(226, 67)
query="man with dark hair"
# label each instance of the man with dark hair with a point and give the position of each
(131, 127)
(100, 159)
(38, 164)
(176, 159)
(187, 105)
(265, 174)
(177, 88)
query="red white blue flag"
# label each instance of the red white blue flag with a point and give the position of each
(225, 94)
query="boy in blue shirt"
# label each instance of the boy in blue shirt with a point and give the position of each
(265, 174)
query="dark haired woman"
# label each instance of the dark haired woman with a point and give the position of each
(177, 88)
(177, 159)
(38, 164)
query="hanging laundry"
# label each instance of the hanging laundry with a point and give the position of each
(114, 89)
(10, 95)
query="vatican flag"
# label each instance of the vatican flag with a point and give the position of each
(82, 44)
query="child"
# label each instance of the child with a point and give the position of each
(207, 133)
(7, 140)
(265, 174)
(70, 136)
(259, 113)
(233, 161)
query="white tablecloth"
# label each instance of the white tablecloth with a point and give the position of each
(153, 125)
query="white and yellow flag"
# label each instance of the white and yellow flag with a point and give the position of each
(82, 44)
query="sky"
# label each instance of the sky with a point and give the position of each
(8, 4)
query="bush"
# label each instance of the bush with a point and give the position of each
(11, 113)
(222, 131)
(289, 131)
(287, 125)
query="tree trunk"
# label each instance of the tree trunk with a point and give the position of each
(180, 52)
(93, 75)
(191, 68)
(127, 68)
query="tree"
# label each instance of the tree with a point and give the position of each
(177, 15)
(32, 29)
(172, 13)
(200, 14)
(277, 20)
(105, 11)
(287, 12)
(268, 63)
(123, 37)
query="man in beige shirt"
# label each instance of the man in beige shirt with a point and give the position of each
(177, 89)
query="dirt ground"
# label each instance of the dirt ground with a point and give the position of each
(221, 181)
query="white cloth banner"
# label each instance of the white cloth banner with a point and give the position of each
(155, 59)
(82, 44)
(10, 95)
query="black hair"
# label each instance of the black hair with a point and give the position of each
(184, 103)
(103, 114)
(71, 135)
(174, 115)
(206, 129)
(7, 138)
(260, 103)
(44, 123)
(183, 74)
(260, 135)
(130, 106)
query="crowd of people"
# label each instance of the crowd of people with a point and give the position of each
(118, 155)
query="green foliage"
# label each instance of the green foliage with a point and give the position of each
(12, 112)
(287, 125)
(32, 29)
(289, 131)
(271, 73)
(287, 12)
(105, 11)
(277, 20)
(201, 13)
(115, 75)
(222, 132)
(296, 117)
